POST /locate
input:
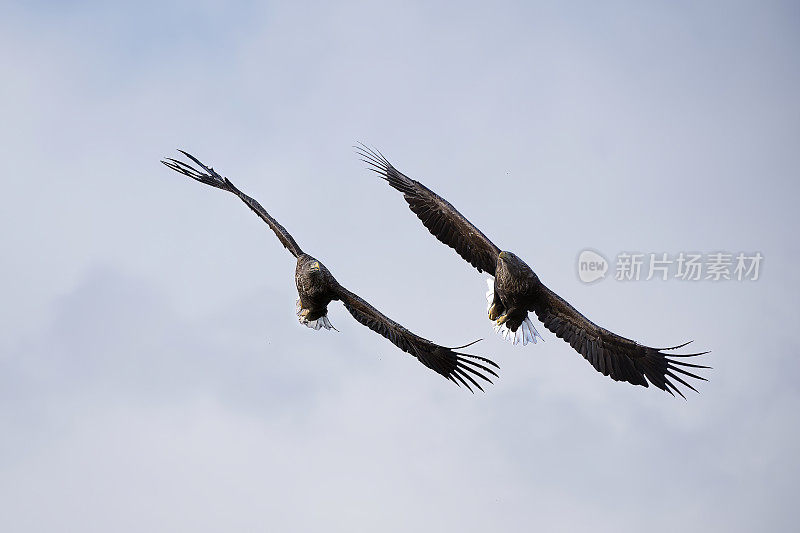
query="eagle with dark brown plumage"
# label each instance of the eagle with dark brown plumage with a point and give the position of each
(517, 290)
(317, 287)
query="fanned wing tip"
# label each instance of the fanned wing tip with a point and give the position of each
(377, 163)
(463, 372)
(373, 157)
(451, 378)
(479, 358)
(464, 359)
(209, 176)
(474, 364)
(672, 369)
(467, 369)
(460, 381)
(179, 166)
(197, 161)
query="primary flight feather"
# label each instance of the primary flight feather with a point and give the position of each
(517, 290)
(317, 287)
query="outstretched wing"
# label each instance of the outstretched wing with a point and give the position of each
(211, 177)
(460, 368)
(610, 354)
(437, 214)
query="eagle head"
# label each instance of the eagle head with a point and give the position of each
(512, 264)
(510, 259)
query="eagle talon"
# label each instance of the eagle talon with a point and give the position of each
(494, 312)
(501, 320)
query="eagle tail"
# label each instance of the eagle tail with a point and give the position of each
(321, 322)
(525, 333)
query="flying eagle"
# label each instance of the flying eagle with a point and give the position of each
(516, 290)
(317, 287)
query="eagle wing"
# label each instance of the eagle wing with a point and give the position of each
(437, 214)
(460, 368)
(211, 177)
(610, 354)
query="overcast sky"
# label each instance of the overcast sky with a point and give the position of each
(153, 375)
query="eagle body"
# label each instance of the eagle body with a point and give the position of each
(515, 283)
(517, 291)
(316, 287)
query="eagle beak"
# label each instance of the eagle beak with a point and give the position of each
(503, 255)
(315, 266)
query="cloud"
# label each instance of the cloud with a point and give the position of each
(152, 368)
(123, 407)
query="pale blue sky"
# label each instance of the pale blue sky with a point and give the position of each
(153, 375)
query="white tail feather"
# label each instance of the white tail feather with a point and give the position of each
(321, 322)
(489, 294)
(525, 333)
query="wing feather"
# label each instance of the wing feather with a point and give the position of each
(209, 176)
(460, 368)
(610, 354)
(437, 214)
